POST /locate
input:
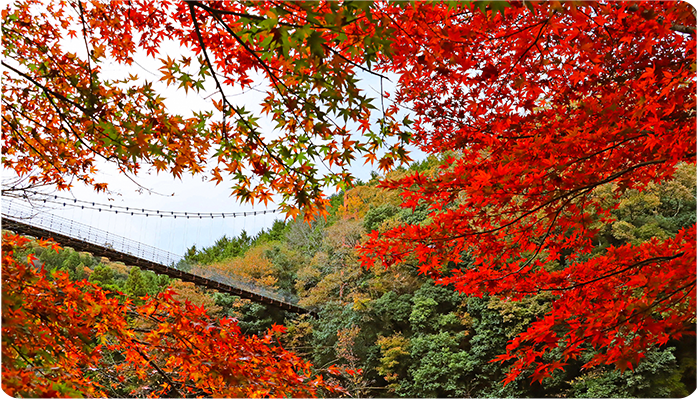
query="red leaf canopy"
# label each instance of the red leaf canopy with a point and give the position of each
(536, 109)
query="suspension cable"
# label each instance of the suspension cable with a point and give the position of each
(91, 205)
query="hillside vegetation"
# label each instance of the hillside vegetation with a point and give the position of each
(391, 331)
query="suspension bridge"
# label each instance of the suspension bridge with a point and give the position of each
(81, 237)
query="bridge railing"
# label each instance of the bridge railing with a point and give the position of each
(86, 233)
(242, 283)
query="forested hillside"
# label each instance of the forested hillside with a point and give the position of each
(394, 332)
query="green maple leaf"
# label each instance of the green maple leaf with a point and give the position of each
(315, 42)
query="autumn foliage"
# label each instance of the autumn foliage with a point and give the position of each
(58, 103)
(72, 339)
(537, 108)
(540, 108)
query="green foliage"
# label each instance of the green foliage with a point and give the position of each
(394, 358)
(438, 359)
(437, 368)
(658, 211)
(432, 306)
(68, 260)
(104, 277)
(491, 329)
(333, 318)
(427, 164)
(392, 311)
(655, 377)
(415, 216)
(286, 262)
(376, 215)
(223, 249)
(276, 232)
(136, 284)
(253, 318)
(144, 283)
(226, 248)
(336, 200)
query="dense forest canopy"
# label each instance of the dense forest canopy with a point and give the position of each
(560, 188)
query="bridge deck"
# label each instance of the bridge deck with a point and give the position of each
(113, 255)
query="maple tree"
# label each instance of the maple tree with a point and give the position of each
(57, 334)
(539, 108)
(59, 105)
